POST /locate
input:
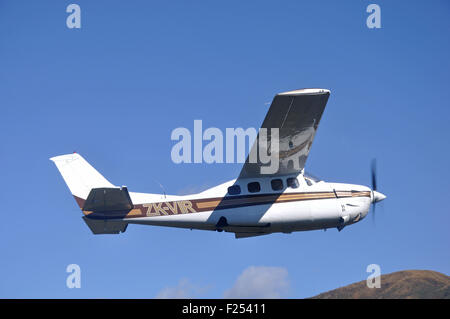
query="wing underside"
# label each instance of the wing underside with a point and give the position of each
(296, 115)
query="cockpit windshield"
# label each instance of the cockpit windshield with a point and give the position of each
(312, 177)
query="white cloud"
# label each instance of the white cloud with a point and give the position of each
(260, 282)
(184, 289)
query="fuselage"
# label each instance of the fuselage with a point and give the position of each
(262, 205)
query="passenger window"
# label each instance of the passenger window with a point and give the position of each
(234, 190)
(277, 184)
(253, 187)
(292, 182)
(308, 181)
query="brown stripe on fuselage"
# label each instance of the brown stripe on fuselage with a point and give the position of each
(218, 203)
(247, 200)
(342, 194)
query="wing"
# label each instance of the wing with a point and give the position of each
(297, 115)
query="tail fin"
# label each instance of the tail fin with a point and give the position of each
(79, 175)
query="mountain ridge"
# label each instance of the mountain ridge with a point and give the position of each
(406, 284)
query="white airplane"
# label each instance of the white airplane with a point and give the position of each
(254, 204)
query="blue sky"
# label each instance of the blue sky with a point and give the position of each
(115, 89)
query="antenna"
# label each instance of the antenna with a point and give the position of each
(162, 187)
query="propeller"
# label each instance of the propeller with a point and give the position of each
(373, 172)
(376, 196)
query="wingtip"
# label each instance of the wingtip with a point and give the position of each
(64, 157)
(306, 92)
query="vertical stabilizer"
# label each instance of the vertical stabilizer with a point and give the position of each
(79, 175)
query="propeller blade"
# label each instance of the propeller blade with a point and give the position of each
(373, 212)
(374, 174)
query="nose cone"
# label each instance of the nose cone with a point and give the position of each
(378, 197)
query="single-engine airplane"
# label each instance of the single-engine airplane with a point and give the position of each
(254, 204)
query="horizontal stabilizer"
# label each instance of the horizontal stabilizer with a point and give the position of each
(108, 199)
(100, 226)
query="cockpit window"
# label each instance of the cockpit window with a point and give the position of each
(308, 181)
(292, 182)
(234, 190)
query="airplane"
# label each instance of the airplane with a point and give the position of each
(253, 204)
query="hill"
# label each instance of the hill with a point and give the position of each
(408, 284)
